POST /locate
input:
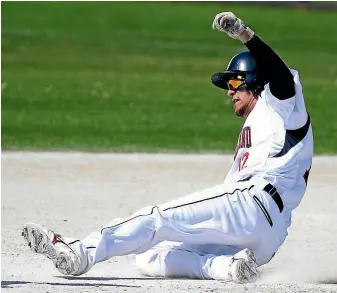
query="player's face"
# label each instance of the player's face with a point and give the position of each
(243, 101)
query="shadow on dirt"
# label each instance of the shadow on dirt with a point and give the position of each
(10, 284)
(7, 284)
(328, 282)
(80, 283)
(110, 278)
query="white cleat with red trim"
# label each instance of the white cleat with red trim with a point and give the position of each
(44, 241)
(243, 267)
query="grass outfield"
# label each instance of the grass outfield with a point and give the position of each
(120, 76)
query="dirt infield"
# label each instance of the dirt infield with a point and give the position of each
(76, 193)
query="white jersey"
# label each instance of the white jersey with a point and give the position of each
(276, 145)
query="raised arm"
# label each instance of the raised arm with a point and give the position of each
(274, 70)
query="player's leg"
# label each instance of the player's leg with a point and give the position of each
(219, 215)
(169, 259)
(195, 218)
(199, 218)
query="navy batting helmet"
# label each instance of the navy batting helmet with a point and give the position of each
(242, 66)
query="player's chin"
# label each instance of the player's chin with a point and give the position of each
(239, 111)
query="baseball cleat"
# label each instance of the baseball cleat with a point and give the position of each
(243, 267)
(44, 241)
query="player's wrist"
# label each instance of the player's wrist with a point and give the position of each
(246, 35)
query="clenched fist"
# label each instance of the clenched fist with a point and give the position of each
(227, 22)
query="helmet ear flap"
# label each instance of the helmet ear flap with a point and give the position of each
(254, 83)
(258, 90)
(259, 86)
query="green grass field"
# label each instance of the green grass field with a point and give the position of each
(103, 76)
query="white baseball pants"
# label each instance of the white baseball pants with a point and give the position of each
(194, 236)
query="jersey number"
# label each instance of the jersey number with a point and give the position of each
(243, 161)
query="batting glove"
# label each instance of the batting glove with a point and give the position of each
(228, 23)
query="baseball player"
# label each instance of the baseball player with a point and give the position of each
(224, 232)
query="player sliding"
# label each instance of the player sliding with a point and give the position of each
(227, 231)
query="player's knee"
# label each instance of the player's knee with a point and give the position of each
(150, 263)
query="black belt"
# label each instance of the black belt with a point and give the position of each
(275, 195)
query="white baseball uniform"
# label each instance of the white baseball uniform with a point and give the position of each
(197, 235)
